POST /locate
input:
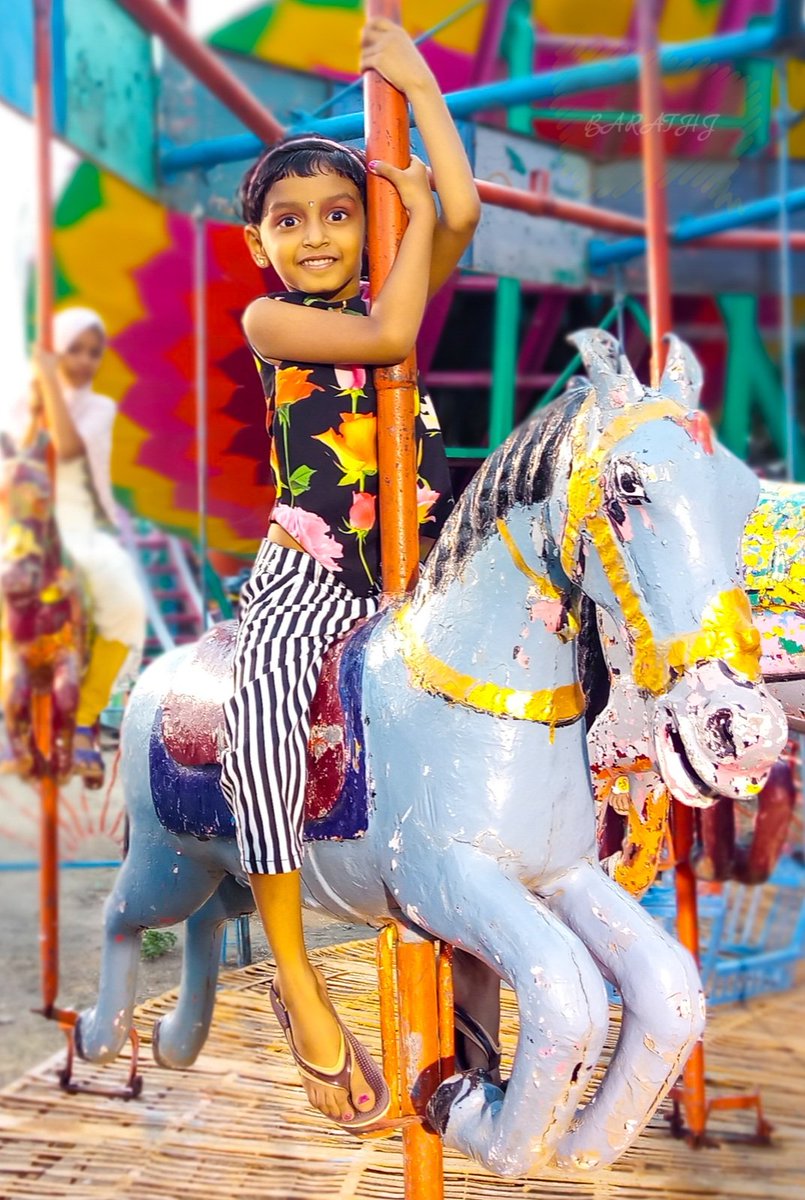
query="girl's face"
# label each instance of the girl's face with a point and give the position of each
(80, 361)
(312, 232)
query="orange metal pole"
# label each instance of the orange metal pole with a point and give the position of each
(388, 138)
(419, 1035)
(659, 296)
(43, 110)
(653, 152)
(386, 975)
(43, 711)
(692, 1092)
(447, 1026)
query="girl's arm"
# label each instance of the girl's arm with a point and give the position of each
(387, 49)
(63, 433)
(308, 334)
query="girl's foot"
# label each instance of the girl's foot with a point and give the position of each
(319, 1040)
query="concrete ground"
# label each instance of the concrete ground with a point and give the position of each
(91, 826)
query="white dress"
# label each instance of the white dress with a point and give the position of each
(108, 575)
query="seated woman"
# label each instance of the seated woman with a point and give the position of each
(80, 423)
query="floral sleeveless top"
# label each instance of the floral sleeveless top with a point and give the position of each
(322, 423)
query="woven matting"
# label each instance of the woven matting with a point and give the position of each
(237, 1125)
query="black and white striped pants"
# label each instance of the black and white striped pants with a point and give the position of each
(292, 610)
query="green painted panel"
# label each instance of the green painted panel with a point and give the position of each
(244, 33)
(81, 195)
(111, 90)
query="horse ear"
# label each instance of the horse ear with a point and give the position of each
(7, 447)
(682, 377)
(610, 372)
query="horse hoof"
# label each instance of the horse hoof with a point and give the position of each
(447, 1093)
(155, 1046)
(77, 1039)
(160, 1058)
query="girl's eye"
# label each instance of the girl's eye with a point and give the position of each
(338, 214)
(287, 222)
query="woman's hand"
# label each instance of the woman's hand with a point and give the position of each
(413, 185)
(387, 49)
(44, 363)
(36, 403)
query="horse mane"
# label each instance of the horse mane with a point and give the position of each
(522, 471)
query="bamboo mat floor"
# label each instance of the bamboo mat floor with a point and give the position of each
(236, 1125)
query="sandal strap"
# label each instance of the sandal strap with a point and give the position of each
(338, 1078)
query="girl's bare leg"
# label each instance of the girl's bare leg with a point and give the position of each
(302, 989)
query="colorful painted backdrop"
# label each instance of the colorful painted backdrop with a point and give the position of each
(132, 260)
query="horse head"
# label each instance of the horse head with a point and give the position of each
(649, 526)
(26, 504)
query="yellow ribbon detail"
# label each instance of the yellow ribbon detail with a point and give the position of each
(549, 706)
(545, 586)
(726, 632)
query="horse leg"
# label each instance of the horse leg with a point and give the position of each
(17, 711)
(179, 1036)
(663, 1012)
(161, 877)
(65, 702)
(560, 996)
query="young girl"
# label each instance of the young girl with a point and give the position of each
(318, 569)
(79, 421)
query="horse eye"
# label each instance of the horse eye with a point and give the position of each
(628, 485)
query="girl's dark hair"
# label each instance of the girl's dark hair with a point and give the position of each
(301, 154)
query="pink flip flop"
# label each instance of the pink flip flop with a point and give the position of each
(364, 1123)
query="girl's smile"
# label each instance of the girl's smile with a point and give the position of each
(312, 232)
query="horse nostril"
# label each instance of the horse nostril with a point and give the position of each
(720, 734)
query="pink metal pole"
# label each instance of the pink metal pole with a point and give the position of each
(657, 256)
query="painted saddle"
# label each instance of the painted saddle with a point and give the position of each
(188, 736)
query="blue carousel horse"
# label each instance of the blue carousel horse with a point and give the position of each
(460, 729)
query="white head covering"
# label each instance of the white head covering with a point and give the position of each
(70, 323)
(92, 413)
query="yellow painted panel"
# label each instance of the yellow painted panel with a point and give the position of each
(462, 35)
(584, 19)
(308, 40)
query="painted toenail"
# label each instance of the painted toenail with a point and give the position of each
(363, 1099)
(348, 1116)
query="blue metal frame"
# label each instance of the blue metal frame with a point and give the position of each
(545, 86)
(604, 254)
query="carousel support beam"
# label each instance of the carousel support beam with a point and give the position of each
(548, 85)
(519, 45)
(704, 230)
(168, 25)
(421, 1055)
(564, 81)
(787, 348)
(654, 175)
(388, 138)
(659, 296)
(483, 68)
(42, 705)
